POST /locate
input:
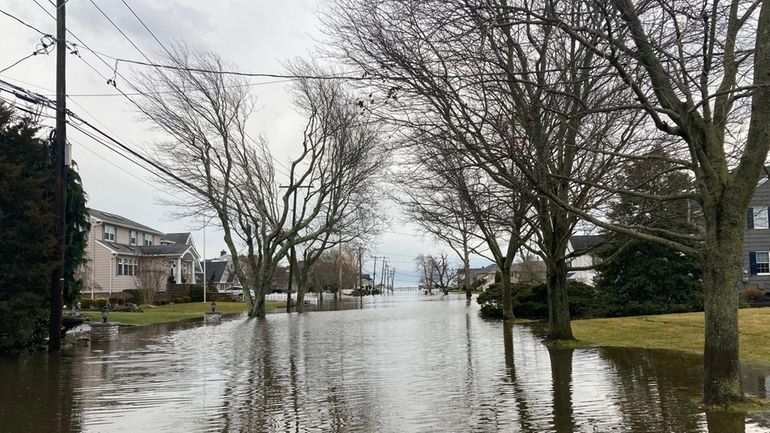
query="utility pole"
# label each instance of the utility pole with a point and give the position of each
(386, 280)
(374, 274)
(382, 279)
(62, 164)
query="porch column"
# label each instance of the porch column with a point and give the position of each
(192, 272)
(178, 271)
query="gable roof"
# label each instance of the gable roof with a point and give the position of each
(215, 270)
(118, 220)
(177, 238)
(164, 250)
(581, 242)
(152, 250)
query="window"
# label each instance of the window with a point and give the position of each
(108, 233)
(147, 239)
(126, 267)
(758, 219)
(763, 262)
(132, 237)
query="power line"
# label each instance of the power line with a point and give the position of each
(120, 30)
(44, 47)
(42, 33)
(146, 28)
(84, 147)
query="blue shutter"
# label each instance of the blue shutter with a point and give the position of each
(750, 218)
(753, 262)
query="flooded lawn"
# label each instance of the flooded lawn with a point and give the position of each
(404, 363)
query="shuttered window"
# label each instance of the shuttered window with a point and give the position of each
(757, 218)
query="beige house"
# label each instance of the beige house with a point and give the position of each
(117, 248)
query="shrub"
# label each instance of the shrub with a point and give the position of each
(532, 301)
(135, 295)
(114, 300)
(23, 322)
(196, 293)
(86, 304)
(186, 300)
(178, 300)
(100, 303)
(753, 294)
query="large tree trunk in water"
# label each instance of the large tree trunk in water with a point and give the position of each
(722, 269)
(299, 307)
(559, 325)
(505, 285)
(260, 288)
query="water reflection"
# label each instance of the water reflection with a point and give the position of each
(398, 363)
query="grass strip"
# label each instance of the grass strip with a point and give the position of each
(174, 312)
(682, 332)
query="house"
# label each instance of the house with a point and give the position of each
(588, 244)
(366, 281)
(119, 249)
(756, 240)
(220, 273)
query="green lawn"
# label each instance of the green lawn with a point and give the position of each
(175, 312)
(677, 332)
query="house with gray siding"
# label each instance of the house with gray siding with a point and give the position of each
(756, 240)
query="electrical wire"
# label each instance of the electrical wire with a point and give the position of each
(42, 33)
(44, 47)
(130, 41)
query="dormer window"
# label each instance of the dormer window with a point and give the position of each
(148, 238)
(108, 233)
(132, 237)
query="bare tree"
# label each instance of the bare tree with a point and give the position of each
(151, 276)
(442, 214)
(220, 169)
(514, 98)
(699, 72)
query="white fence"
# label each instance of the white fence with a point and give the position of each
(281, 297)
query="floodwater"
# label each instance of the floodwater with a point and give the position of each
(404, 363)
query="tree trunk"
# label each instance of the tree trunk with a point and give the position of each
(559, 325)
(260, 288)
(722, 269)
(505, 285)
(299, 307)
(466, 270)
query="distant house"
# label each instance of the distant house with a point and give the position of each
(366, 281)
(756, 240)
(220, 273)
(117, 247)
(528, 270)
(586, 243)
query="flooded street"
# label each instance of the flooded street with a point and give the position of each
(404, 363)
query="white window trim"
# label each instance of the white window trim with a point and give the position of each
(114, 232)
(757, 213)
(756, 254)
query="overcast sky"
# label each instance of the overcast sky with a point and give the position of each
(256, 36)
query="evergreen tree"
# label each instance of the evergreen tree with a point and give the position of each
(78, 227)
(27, 228)
(645, 278)
(27, 231)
